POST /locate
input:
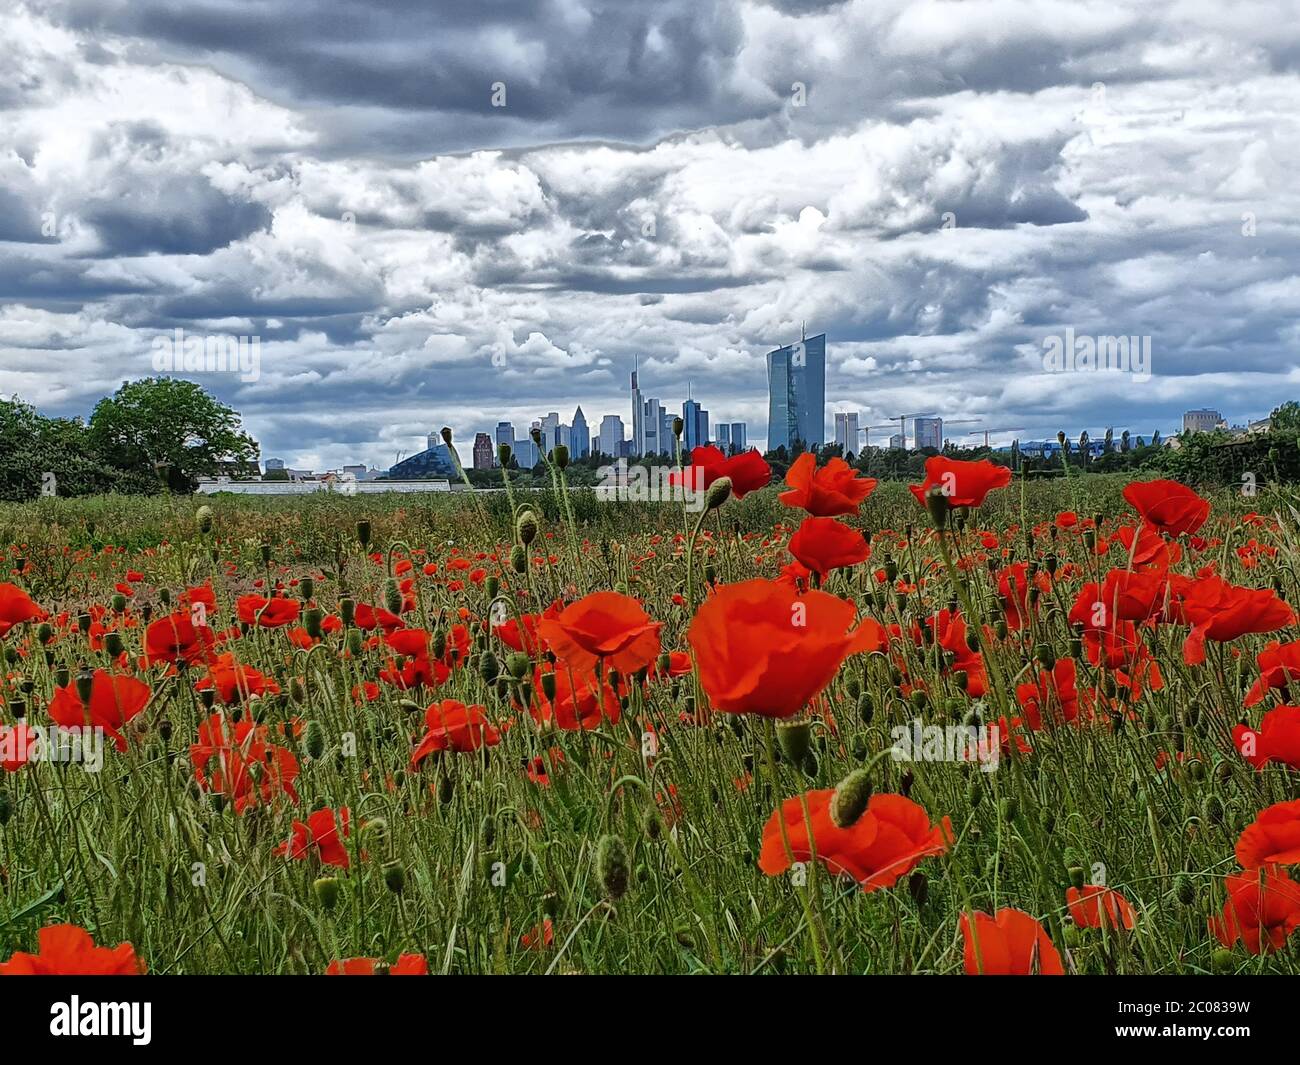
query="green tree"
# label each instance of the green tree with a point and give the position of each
(169, 428)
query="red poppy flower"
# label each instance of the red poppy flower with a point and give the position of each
(824, 544)
(887, 842)
(267, 613)
(17, 745)
(832, 490)
(114, 700)
(175, 638)
(1220, 611)
(16, 607)
(1262, 909)
(453, 726)
(963, 484)
(322, 836)
(1279, 667)
(1054, 695)
(524, 637)
(603, 626)
(1011, 944)
(575, 705)
(234, 682)
(760, 648)
(406, 965)
(748, 470)
(67, 950)
(1273, 838)
(235, 760)
(1093, 906)
(542, 935)
(1171, 507)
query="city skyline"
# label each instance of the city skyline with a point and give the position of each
(408, 247)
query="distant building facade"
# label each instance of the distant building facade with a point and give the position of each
(846, 431)
(928, 433)
(1203, 421)
(482, 452)
(796, 389)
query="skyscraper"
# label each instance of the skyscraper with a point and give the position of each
(928, 433)
(796, 389)
(723, 437)
(738, 436)
(506, 434)
(695, 421)
(550, 431)
(579, 436)
(482, 451)
(610, 438)
(846, 431)
(638, 416)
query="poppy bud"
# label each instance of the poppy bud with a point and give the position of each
(1214, 809)
(919, 699)
(536, 435)
(517, 664)
(962, 679)
(718, 493)
(849, 802)
(312, 618)
(866, 707)
(394, 876)
(503, 454)
(612, 865)
(526, 527)
(315, 740)
(937, 504)
(393, 595)
(85, 684)
(45, 632)
(488, 667)
(560, 455)
(348, 610)
(918, 886)
(795, 738)
(492, 585)
(165, 596)
(363, 532)
(376, 830)
(891, 570)
(548, 686)
(326, 889)
(974, 792)
(438, 645)
(354, 641)
(518, 558)
(203, 518)
(266, 552)
(306, 587)
(1077, 876)
(1010, 808)
(854, 687)
(1043, 652)
(651, 823)
(1002, 629)
(83, 622)
(1222, 961)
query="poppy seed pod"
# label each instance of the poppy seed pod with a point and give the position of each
(45, 632)
(85, 684)
(113, 644)
(307, 587)
(718, 493)
(504, 454)
(612, 866)
(548, 686)
(363, 532)
(1077, 876)
(492, 585)
(165, 596)
(354, 642)
(517, 664)
(488, 667)
(348, 610)
(266, 552)
(6, 807)
(518, 558)
(202, 518)
(1046, 657)
(918, 886)
(560, 455)
(526, 527)
(795, 739)
(446, 435)
(850, 799)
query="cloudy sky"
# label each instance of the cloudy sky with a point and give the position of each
(438, 212)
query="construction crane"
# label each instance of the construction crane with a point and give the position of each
(1004, 429)
(866, 431)
(902, 422)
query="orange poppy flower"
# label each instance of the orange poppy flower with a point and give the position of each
(887, 842)
(761, 648)
(1168, 506)
(824, 544)
(1010, 944)
(406, 965)
(1262, 909)
(67, 950)
(1093, 906)
(113, 702)
(832, 490)
(964, 484)
(1273, 838)
(603, 626)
